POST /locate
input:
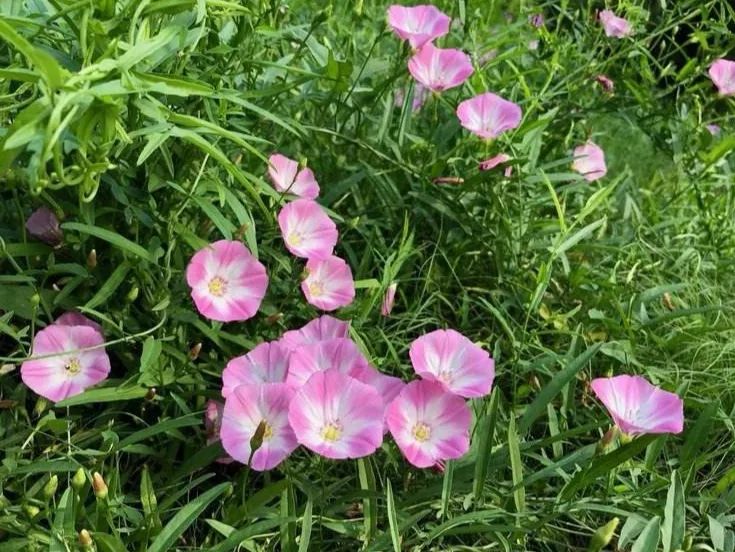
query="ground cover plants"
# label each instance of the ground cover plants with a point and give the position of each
(361, 276)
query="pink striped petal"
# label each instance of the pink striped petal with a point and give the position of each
(722, 73)
(589, 161)
(418, 24)
(320, 329)
(287, 178)
(328, 284)
(615, 26)
(339, 354)
(307, 230)
(488, 115)
(440, 69)
(266, 363)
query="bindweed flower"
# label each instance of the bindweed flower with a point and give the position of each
(713, 129)
(493, 162)
(450, 359)
(260, 409)
(608, 86)
(418, 24)
(320, 329)
(67, 369)
(536, 20)
(420, 95)
(488, 115)
(307, 230)
(429, 424)
(638, 407)
(329, 284)
(266, 363)
(440, 69)
(287, 178)
(389, 299)
(337, 416)
(227, 282)
(589, 161)
(615, 26)
(73, 318)
(44, 225)
(213, 412)
(339, 354)
(722, 73)
(387, 387)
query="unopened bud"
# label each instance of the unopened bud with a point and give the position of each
(30, 510)
(151, 394)
(40, 406)
(603, 535)
(256, 441)
(194, 351)
(132, 294)
(35, 300)
(99, 486)
(85, 539)
(92, 259)
(49, 489)
(79, 479)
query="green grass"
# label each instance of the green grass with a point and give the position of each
(149, 130)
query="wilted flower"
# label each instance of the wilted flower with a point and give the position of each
(286, 177)
(493, 162)
(488, 115)
(589, 161)
(722, 73)
(440, 69)
(307, 230)
(615, 26)
(44, 225)
(329, 284)
(606, 83)
(418, 24)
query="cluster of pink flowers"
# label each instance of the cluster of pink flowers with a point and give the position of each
(314, 387)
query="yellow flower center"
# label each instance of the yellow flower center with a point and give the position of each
(316, 289)
(445, 376)
(295, 239)
(332, 432)
(217, 286)
(421, 432)
(72, 367)
(267, 432)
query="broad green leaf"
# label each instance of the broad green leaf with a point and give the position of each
(44, 62)
(516, 467)
(395, 536)
(111, 237)
(306, 521)
(649, 538)
(105, 394)
(674, 524)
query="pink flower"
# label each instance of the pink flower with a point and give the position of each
(261, 408)
(615, 26)
(428, 424)
(307, 230)
(418, 24)
(339, 354)
(287, 177)
(638, 407)
(606, 83)
(329, 284)
(488, 115)
(320, 329)
(440, 69)
(387, 387)
(44, 225)
(73, 318)
(70, 370)
(227, 283)
(493, 162)
(536, 20)
(266, 363)
(389, 299)
(713, 129)
(722, 73)
(420, 95)
(212, 424)
(337, 416)
(508, 172)
(449, 358)
(589, 161)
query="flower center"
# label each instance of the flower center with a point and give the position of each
(295, 239)
(316, 289)
(72, 367)
(267, 431)
(445, 376)
(421, 432)
(332, 431)
(217, 286)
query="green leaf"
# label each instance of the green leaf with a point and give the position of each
(63, 531)
(161, 427)
(649, 538)
(112, 237)
(369, 504)
(108, 543)
(306, 522)
(49, 68)
(674, 516)
(516, 467)
(149, 502)
(105, 394)
(184, 518)
(151, 352)
(109, 287)
(395, 536)
(483, 439)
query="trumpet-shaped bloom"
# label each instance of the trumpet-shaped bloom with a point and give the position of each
(418, 24)
(339, 354)
(638, 407)
(320, 329)
(589, 161)
(488, 115)
(266, 363)
(287, 177)
(440, 69)
(452, 360)
(328, 284)
(66, 370)
(389, 299)
(212, 424)
(722, 73)
(44, 225)
(493, 162)
(73, 318)
(615, 26)
(307, 230)
(259, 411)
(227, 282)
(337, 416)
(428, 424)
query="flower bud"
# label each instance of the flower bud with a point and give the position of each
(79, 479)
(30, 510)
(40, 407)
(92, 259)
(85, 539)
(603, 535)
(194, 351)
(256, 440)
(44, 225)
(99, 486)
(132, 294)
(151, 394)
(49, 489)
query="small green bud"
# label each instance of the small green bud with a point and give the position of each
(99, 486)
(79, 479)
(132, 294)
(40, 407)
(49, 489)
(30, 510)
(602, 537)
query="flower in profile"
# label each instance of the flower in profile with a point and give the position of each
(420, 95)
(607, 84)
(389, 299)
(328, 284)
(44, 225)
(450, 359)
(266, 363)
(440, 69)
(493, 162)
(337, 416)
(722, 73)
(212, 424)
(307, 230)
(73, 318)
(589, 161)
(615, 26)
(429, 424)
(320, 329)
(488, 115)
(227, 282)
(418, 24)
(286, 177)
(72, 358)
(638, 407)
(339, 354)
(536, 20)
(258, 413)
